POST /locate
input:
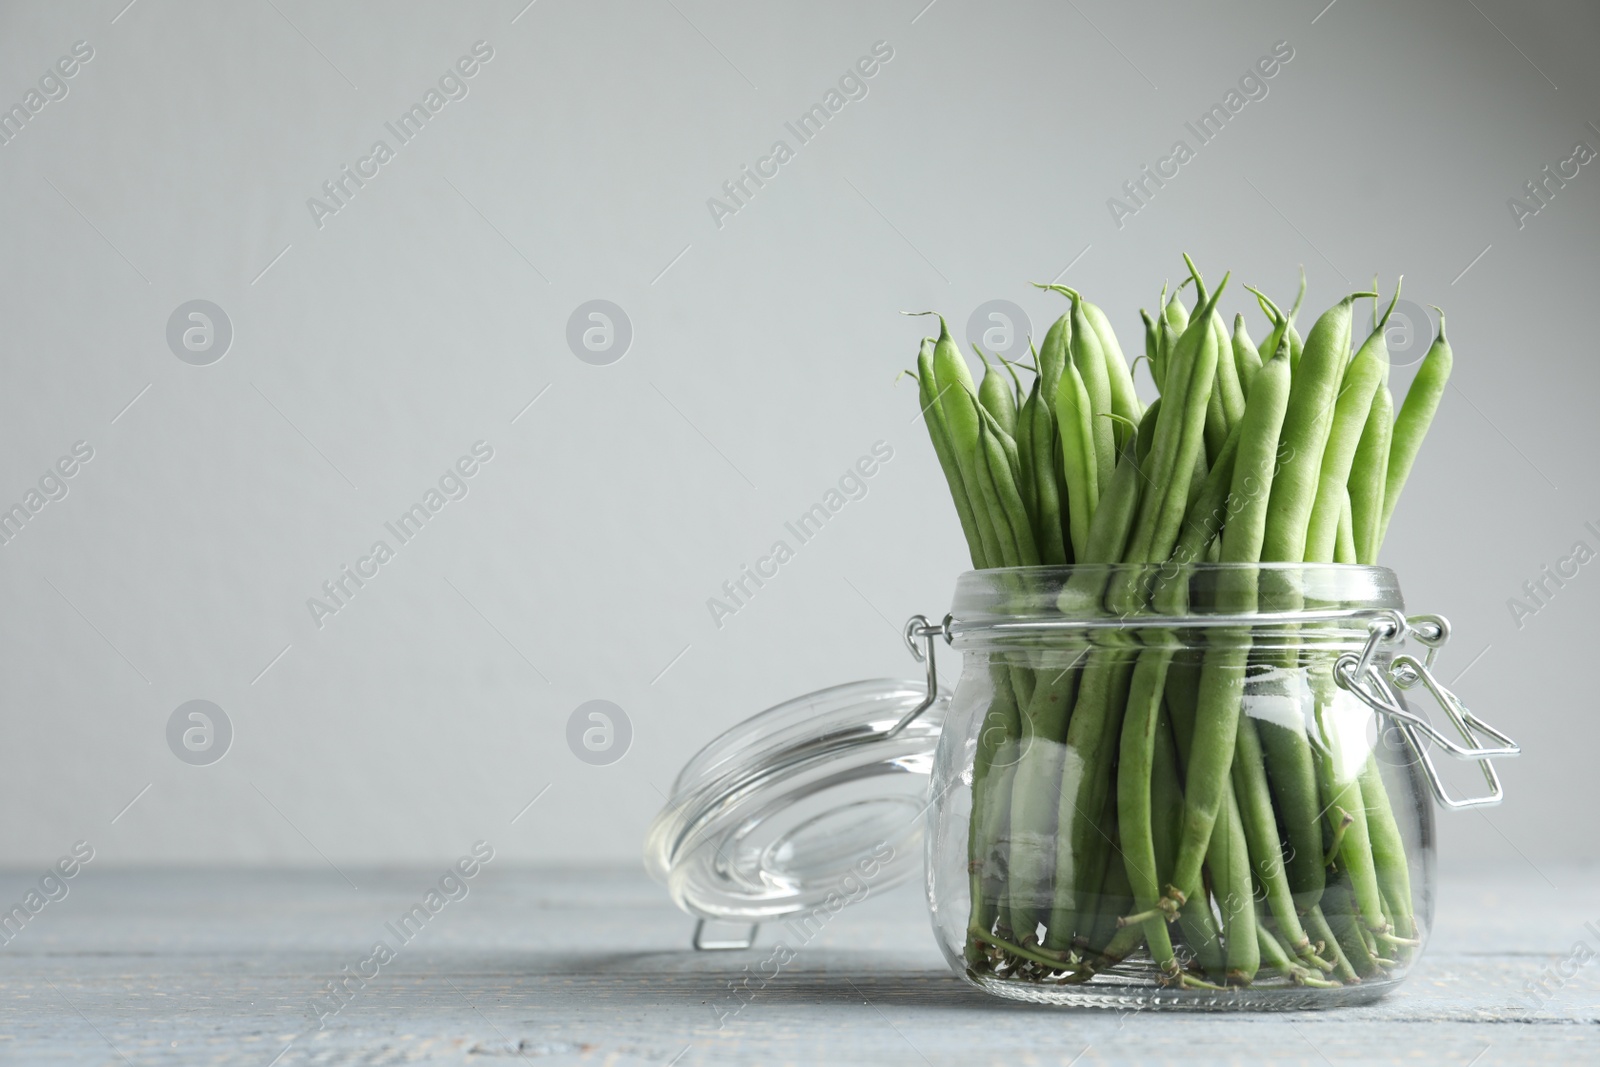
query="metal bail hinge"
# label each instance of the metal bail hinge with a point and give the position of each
(919, 628)
(1360, 675)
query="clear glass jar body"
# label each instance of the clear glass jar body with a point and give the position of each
(1153, 792)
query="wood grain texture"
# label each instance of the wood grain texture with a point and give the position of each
(559, 967)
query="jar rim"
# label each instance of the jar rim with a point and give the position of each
(1003, 604)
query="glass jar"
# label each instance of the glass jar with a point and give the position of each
(1195, 786)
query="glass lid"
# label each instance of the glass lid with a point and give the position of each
(818, 800)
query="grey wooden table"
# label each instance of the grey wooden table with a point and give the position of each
(558, 967)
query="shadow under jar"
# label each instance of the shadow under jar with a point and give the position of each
(1160, 786)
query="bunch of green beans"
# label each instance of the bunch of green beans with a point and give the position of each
(1127, 809)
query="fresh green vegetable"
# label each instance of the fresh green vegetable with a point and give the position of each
(1074, 417)
(1246, 357)
(1363, 377)
(1411, 425)
(1208, 801)
(1089, 358)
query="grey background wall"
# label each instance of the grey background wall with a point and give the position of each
(372, 347)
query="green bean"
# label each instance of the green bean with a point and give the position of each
(1224, 668)
(979, 831)
(1388, 850)
(1197, 473)
(1089, 357)
(1246, 357)
(1293, 779)
(1362, 379)
(1065, 920)
(1152, 340)
(1344, 543)
(1344, 804)
(1027, 479)
(1300, 297)
(955, 391)
(1147, 429)
(1313, 392)
(1048, 502)
(991, 795)
(1368, 474)
(1053, 355)
(1225, 853)
(1010, 511)
(1339, 788)
(1228, 857)
(1171, 321)
(963, 423)
(1228, 388)
(1116, 900)
(1388, 847)
(1282, 330)
(1033, 813)
(1296, 347)
(1183, 691)
(1190, 449)
(1008, 443)
(1199, 925)
(1254, 482)
(1098, 925)
(1176, 314)
(1216, 428)
(1134, 817)
(1226, 400)
(989, 810)
(1207, 512)
(995, 394)
(1317, 922)
(1124, 940)
(1124, 400)
(1073, 418)
(1092, 732)
(1221, 684)
(1168, 336)
(1178, 438)
(1249, 776)
(1411, 424)
(1273, 955)
(1166, 798)
(1108, 535)
(1308, 411)
(1011, 369)
(1113, 520)
(1031, 859)
(1346, 925)
(1226, 395)
(987, 502)
(938, 432)
(1280, 322)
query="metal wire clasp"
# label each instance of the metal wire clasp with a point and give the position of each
(919, 628)
(1376, 688)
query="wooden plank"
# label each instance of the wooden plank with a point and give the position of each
(591, 966)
